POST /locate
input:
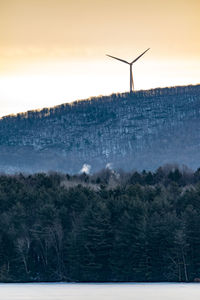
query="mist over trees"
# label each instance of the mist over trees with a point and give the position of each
(109, 226)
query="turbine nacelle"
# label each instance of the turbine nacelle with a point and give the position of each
(130, 64)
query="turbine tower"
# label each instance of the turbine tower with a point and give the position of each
(130, 64)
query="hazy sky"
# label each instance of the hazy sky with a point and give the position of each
(53, 51)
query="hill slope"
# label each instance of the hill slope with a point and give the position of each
(142, 130)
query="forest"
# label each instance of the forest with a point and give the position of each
(141, 130)
(108, 226)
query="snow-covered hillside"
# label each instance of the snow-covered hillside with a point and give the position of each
(142, 130)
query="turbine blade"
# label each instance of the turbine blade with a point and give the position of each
(139, 56)
(124, 61)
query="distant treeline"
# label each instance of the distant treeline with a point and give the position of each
(110, 226)
(96, 101)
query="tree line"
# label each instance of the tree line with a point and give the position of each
(109, 226)
(80, 105)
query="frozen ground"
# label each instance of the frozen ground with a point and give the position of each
(125, 291)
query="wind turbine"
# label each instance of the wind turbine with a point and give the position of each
(130, 64)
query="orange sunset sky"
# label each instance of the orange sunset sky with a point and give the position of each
(53, 51)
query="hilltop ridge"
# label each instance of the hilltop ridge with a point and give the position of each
(173, 90)
(141, 130)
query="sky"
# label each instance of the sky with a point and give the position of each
(54, 51)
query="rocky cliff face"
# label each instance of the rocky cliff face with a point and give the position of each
(142, 130)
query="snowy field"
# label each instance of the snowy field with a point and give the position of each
(65, 291)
